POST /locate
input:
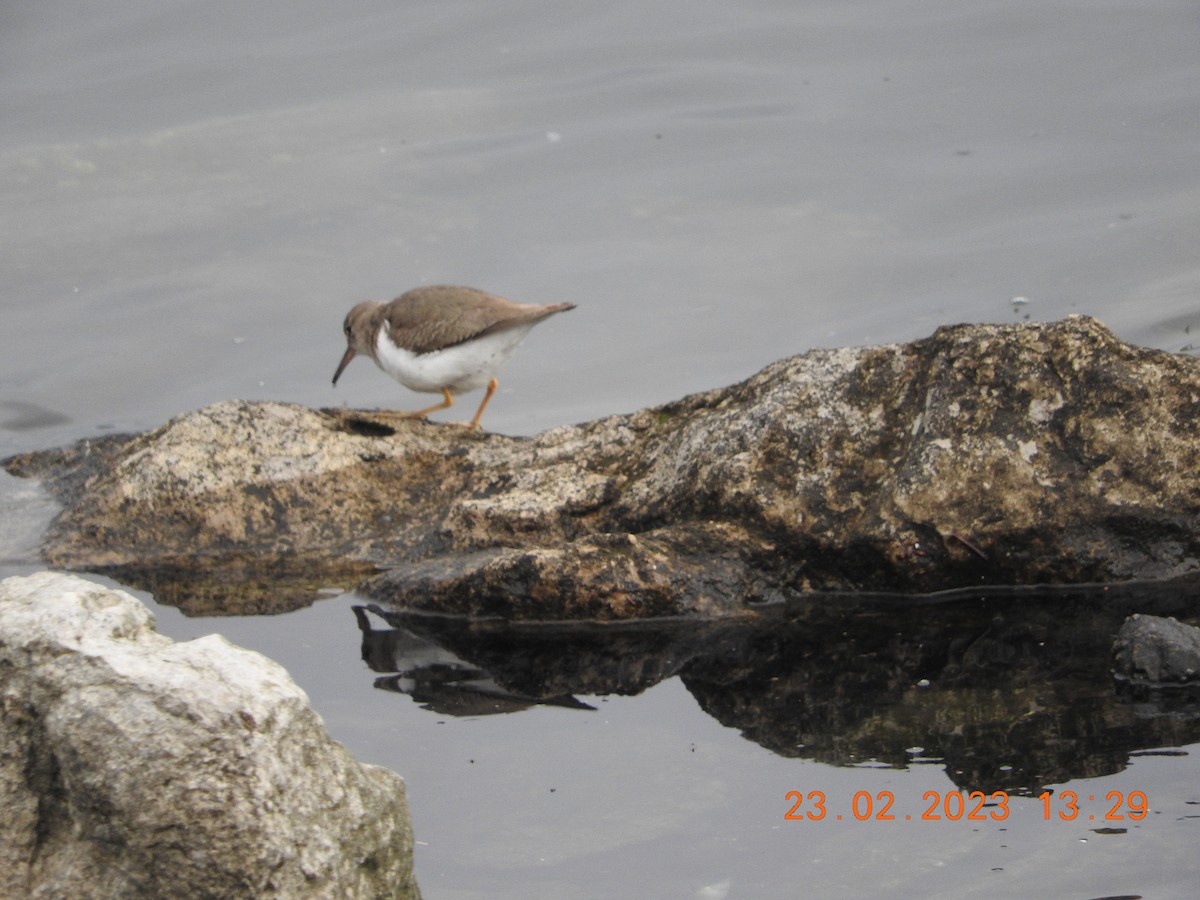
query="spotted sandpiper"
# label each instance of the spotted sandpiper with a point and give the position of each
(441, 338)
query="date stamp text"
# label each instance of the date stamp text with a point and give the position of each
(975, 806)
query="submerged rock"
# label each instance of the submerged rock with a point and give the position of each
(133, 766)
(982, 455)
(1158, 651)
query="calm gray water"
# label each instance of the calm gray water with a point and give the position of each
(193, 194)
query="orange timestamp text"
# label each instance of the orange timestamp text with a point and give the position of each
(975, 806)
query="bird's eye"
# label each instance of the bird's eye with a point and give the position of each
(346, 328)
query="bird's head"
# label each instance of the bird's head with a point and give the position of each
(360, 326)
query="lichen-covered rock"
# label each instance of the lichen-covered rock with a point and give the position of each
(133, 766)
(1157, 651)
(982, 455)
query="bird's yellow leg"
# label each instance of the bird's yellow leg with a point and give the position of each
(421, 413)
(491, 389)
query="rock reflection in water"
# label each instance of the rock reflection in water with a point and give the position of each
(437, 678)
(1009, 690)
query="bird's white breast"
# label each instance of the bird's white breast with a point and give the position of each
(463, 367)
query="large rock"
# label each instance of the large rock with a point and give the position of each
(1157, 650)
(983, 455)
(132, 766)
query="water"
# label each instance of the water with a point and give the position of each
(192, 195)
(651, 795)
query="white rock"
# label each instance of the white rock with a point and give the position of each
(133, 766)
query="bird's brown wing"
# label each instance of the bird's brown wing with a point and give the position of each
(433, 318)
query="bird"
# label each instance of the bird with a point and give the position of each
(443, 339)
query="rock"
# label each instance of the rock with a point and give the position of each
(132, 766)
(982, 455)
(1157, 651)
